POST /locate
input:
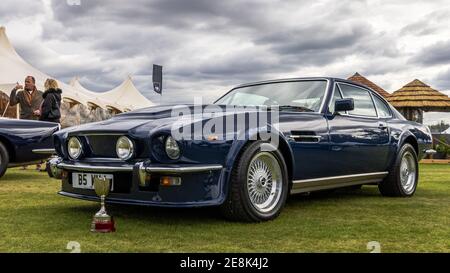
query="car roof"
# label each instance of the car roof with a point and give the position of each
(301, 79)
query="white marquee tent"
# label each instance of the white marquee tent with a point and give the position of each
(14, 69)
(125, 96)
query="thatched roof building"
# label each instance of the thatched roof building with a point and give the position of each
(358, 78)
(415, 97)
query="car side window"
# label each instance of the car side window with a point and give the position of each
(363, 101)
(382, 108)
(336, 95)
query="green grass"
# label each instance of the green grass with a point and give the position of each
(33, 218)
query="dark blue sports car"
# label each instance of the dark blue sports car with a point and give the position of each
(259, 143)
(24, 142)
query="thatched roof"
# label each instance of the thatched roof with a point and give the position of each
(417, 94)
(358, 78)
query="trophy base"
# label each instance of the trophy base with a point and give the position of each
(103, 225)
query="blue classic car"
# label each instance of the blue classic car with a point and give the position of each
(24, 142)
(325, 133)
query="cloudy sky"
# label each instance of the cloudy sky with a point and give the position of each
(208, 46)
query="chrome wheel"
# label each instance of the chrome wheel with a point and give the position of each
(408, 172)
(264, 181)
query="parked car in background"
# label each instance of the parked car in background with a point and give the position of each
(24, 142)
(330, 132)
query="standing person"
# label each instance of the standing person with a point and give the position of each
(29, 99)
(50, 110)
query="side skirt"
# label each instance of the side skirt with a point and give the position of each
(324, 183)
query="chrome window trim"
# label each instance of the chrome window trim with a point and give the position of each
(382, 101)
(322, 104)
(369, 91)
(325, 96)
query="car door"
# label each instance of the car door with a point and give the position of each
(359, 139)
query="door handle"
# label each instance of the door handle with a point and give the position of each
(382, 126)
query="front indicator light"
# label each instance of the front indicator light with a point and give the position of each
(170, 181)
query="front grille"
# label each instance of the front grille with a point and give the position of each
(103, 145)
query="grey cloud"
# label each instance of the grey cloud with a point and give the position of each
(428, 24)
(438, 53)
(442, 80)
(19, 9)
(208, 46)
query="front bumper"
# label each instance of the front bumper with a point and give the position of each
(139, 183)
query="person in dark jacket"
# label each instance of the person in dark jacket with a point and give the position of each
(28, 97)
(50, 109)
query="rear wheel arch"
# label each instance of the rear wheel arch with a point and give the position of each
(412, 141)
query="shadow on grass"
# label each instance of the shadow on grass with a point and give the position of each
(23, 176)
(208, 214)
(149, 214)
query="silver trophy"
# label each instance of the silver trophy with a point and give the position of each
(102, 222)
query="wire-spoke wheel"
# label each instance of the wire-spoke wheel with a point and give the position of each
(264, 181)
(403, 177)
(408, 172)
(258, 185)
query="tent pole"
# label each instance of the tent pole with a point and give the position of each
(6, 109)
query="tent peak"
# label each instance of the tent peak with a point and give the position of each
(4, 41)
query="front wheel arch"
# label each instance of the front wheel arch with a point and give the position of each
(238, 204)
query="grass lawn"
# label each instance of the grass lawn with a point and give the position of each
(33, 218)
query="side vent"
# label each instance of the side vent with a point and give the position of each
(305, 136)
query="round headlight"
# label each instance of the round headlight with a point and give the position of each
(172, 148)
(74, 148)
(124, 148)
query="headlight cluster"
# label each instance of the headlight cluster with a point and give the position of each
(124, 148)
(74, 148)
(172, 148)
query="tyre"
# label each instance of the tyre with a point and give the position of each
(4, 159)
(258, 185)
(403, 177)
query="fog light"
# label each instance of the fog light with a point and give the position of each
(170, 181)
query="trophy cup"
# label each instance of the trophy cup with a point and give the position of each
(102, 222)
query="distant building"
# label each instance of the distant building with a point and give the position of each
(416, 97)
(358, 78)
